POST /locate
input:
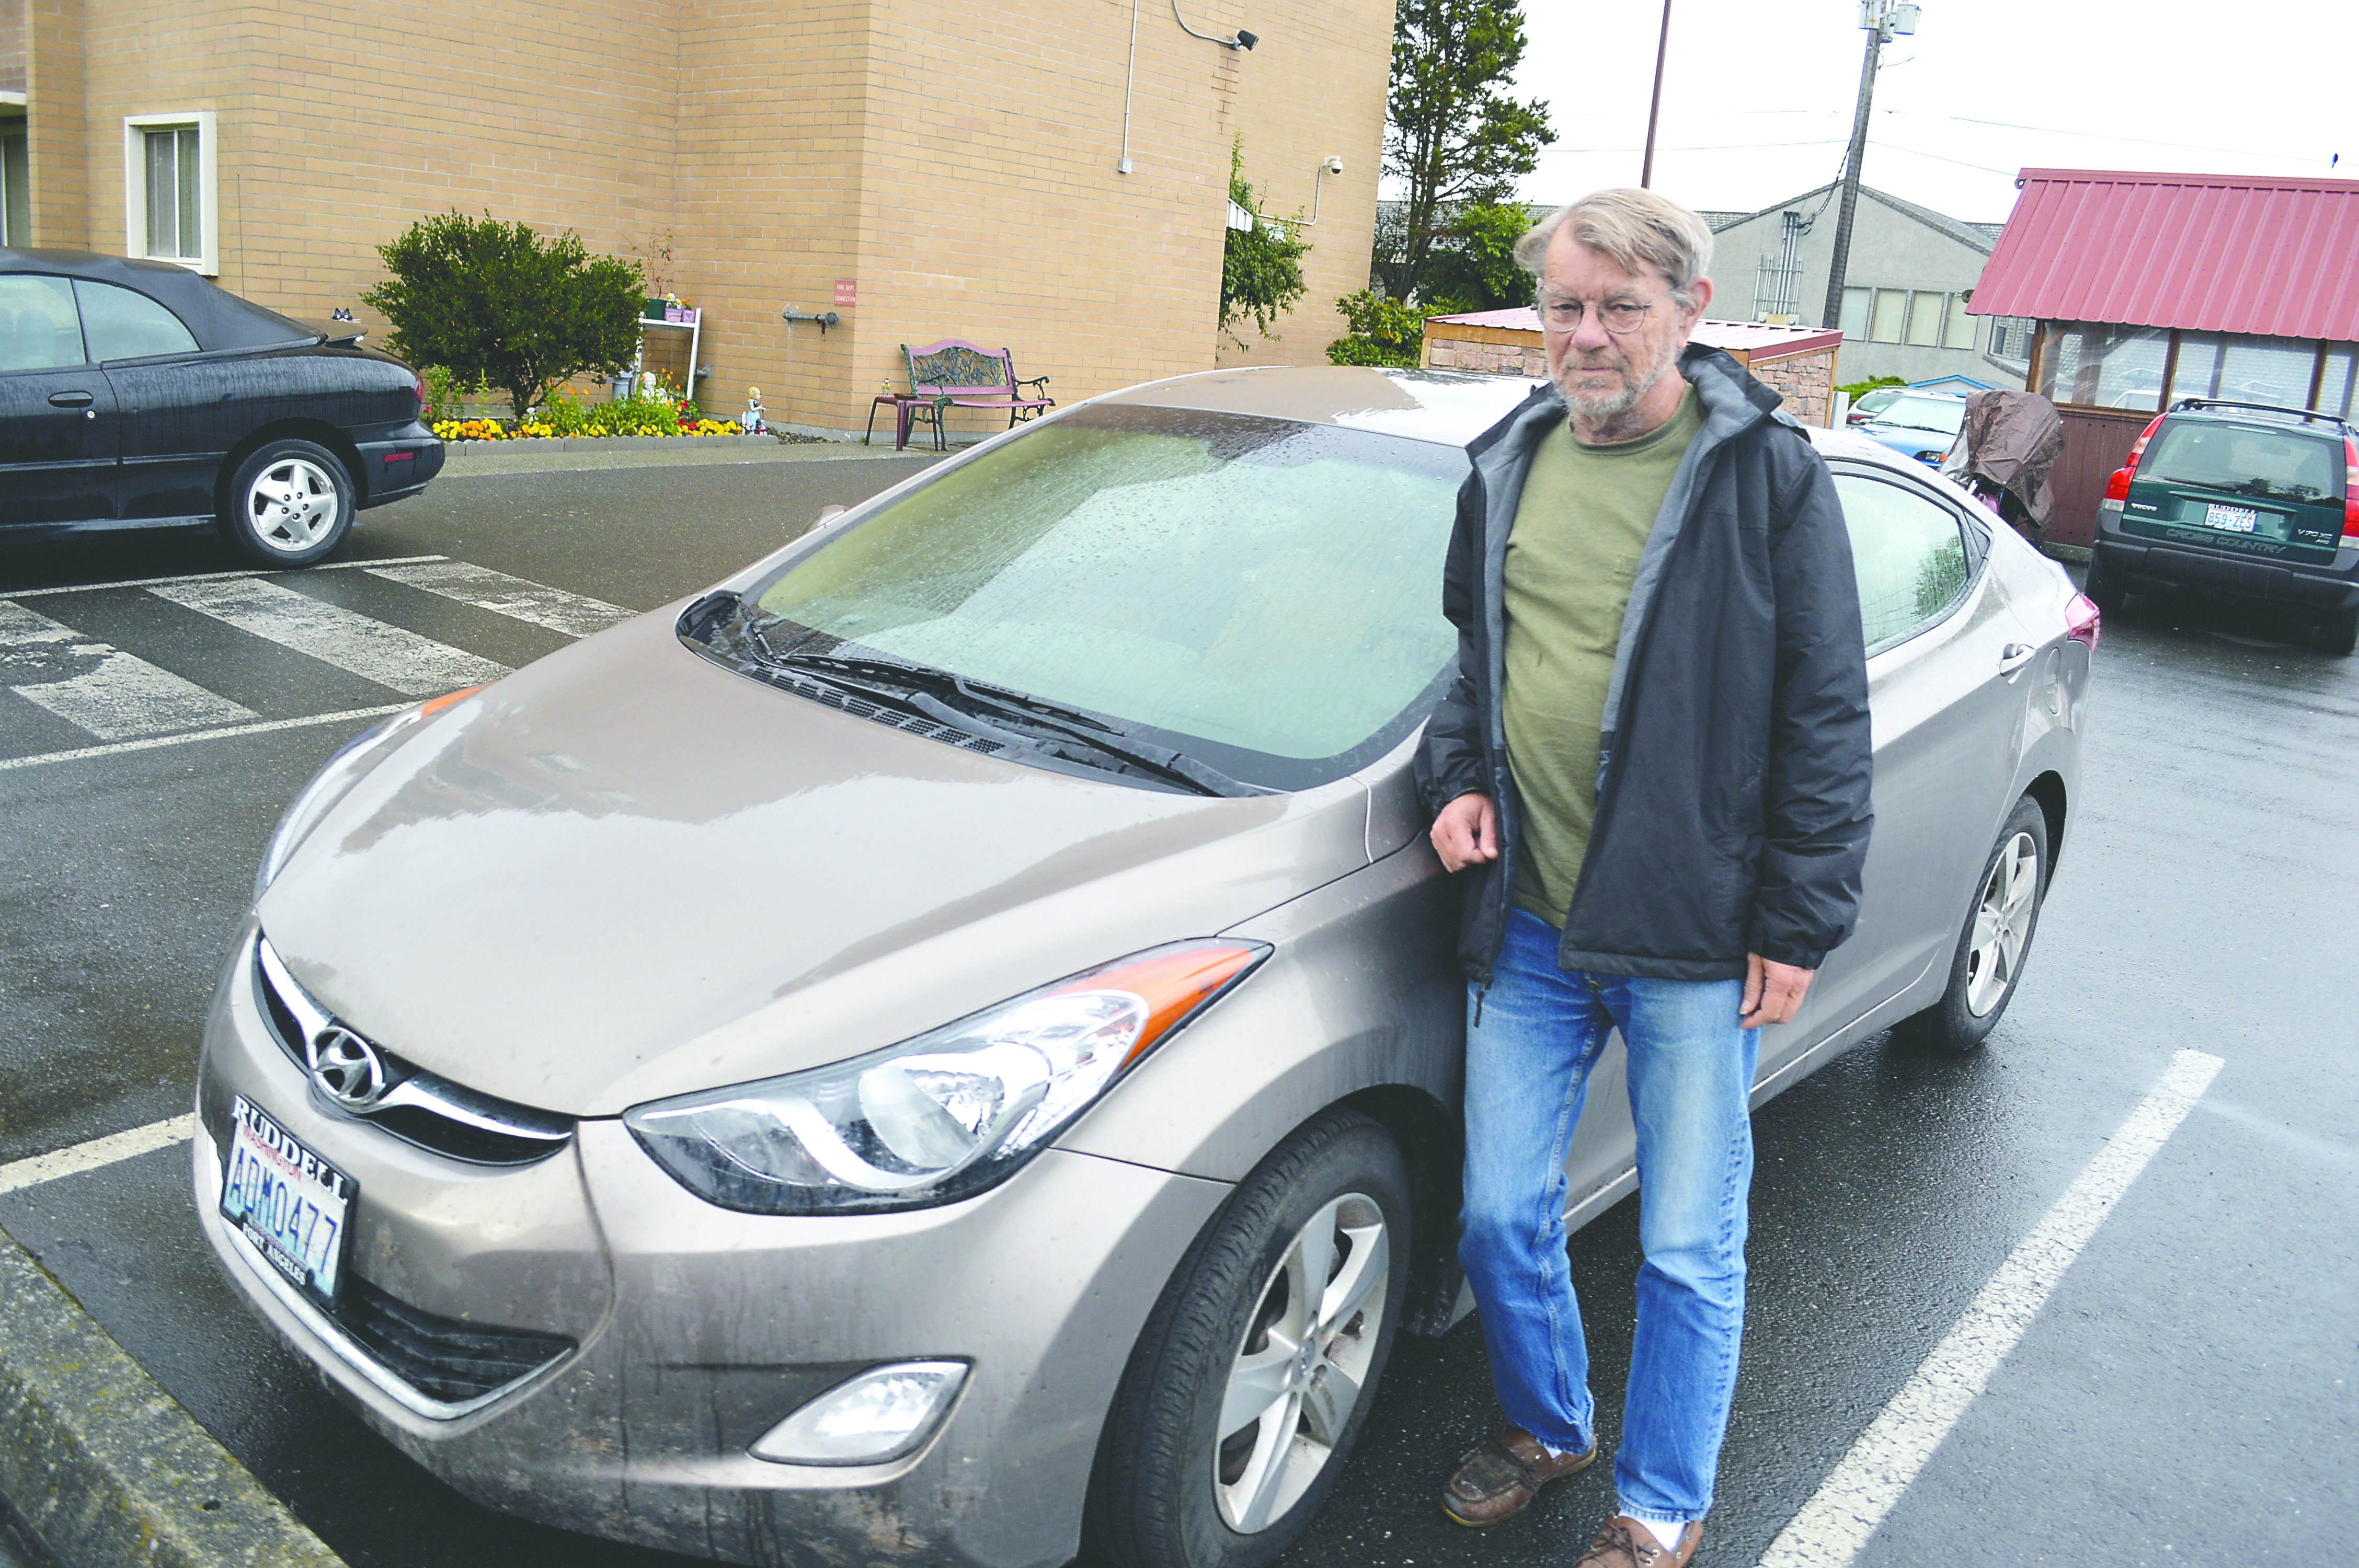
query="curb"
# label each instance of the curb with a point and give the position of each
(105, 1467)
(607, 443)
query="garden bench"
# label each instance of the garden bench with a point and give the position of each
(955, 374)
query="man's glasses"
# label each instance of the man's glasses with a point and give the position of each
(1616, 316)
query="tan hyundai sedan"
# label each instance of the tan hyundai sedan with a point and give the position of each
(945, 1048)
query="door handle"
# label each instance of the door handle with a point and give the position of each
(2014, 657)
(70, 399)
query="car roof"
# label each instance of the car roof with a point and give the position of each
(219, 319)
(2267, 417)
(1450, 407)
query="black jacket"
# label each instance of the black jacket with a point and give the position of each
(1733, 809)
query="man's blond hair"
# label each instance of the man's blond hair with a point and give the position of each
(1637, 230)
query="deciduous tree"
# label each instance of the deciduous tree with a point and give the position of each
(1261, 267)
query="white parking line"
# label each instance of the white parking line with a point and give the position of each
(575, 614)
(96, 1154)
(153, 742)
(210, 577)
(1848, 1505)
(390, 655)
(114, 695)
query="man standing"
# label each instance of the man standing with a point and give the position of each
(1656, 757)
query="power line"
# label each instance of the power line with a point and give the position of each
(2100, 135)
(1937, 158)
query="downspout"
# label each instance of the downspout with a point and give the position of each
(1129, 81)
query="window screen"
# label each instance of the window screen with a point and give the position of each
(123, 325)
(175, 211)
(1909, 553)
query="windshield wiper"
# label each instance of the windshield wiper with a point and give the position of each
(996, 712)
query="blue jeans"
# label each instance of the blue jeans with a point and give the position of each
(1528, 1057)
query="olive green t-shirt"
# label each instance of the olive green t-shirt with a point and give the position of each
(1571, 557)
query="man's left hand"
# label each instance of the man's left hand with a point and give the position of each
(1773, 992)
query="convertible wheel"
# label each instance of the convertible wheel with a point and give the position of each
(1254, 1375)
(1997, 937)
(288, 505)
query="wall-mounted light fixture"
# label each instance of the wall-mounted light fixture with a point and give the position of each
(1334, 165)
(1242, 40)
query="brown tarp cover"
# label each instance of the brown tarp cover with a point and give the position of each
(2010, 439)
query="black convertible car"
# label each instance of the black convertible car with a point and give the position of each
(136, 394)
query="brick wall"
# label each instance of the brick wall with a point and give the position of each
(957, 164)
(1806, 380)
(12, 46)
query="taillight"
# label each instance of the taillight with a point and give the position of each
(2350, 488)
(2137, 450)
(417, 385)
(2082, 620)
(2117, 489)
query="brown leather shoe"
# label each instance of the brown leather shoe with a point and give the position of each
(1626, 1543)
(1503, 1476)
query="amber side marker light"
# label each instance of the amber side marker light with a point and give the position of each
(1174, 983)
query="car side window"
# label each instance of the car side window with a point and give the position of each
(1910, 554)
(121, 325)
(37, 326)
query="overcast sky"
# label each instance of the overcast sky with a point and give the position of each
(1758, 95)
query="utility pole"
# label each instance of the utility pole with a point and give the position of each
(1655, 107)
(1882, 19)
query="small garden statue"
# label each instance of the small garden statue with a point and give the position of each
(752, 420)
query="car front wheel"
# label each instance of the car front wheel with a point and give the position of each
(1256, 1370)
(1997, 938)
(289, 503)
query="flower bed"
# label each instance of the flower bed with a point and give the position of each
(652, 408)
(533, 429)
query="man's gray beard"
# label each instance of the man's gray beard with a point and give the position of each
(1612, 405)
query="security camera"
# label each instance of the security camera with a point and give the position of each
(1334, 164)
(1247, 41)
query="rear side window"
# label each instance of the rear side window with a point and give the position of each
(37, 330)
(1910, 554)
(123, 325)
(2275, 465)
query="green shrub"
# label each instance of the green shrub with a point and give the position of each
(1383, 332)
(1855, 390)
(496, 303)
(564, 416)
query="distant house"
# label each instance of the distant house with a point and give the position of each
(2150, 288)
(1905, 286)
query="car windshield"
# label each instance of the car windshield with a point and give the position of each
(1942, 414)
(2246, 459)
(1260, 595)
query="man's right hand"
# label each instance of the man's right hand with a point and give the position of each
(1466, 831)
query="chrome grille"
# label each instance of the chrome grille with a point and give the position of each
(419, 1107)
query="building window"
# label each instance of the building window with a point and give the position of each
(1854, 313)
(1926, 315)
(2340, 389)
(1888, 320)
(170, 189)
(15, 187)
(2011, 337)
(2244, 369)
(2103, 366)
(1958, 333)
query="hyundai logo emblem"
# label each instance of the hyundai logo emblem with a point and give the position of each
(346, 1068)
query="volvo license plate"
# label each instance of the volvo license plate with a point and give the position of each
(290, 1206)
(2233, 519)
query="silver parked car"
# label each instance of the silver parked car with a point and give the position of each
(946, 1048)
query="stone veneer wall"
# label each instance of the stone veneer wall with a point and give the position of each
(1805, 380)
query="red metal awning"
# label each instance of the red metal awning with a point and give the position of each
(2214, 252)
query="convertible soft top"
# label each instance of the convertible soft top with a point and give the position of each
(218, 320)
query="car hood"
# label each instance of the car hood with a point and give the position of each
(626, 872)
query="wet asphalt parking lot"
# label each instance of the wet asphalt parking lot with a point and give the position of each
(2185, 1394)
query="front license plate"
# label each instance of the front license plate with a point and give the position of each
(290, 1206)
(2233, 519)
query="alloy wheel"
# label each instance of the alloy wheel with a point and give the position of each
(1303, 1364)
(292, 506)
(2002, 924)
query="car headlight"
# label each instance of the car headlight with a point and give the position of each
(945, 1115)
(336, 776)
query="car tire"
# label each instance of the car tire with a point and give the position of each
(2105, 588)
(1170, 1490)
(289, 503)
(1996, 941)
(2338, 631)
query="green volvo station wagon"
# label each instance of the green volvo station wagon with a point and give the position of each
(2247, 499)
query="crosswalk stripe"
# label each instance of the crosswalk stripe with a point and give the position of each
(114, 695)
(207, 577)
(576, 615)
(390, 655)
(153, 743)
